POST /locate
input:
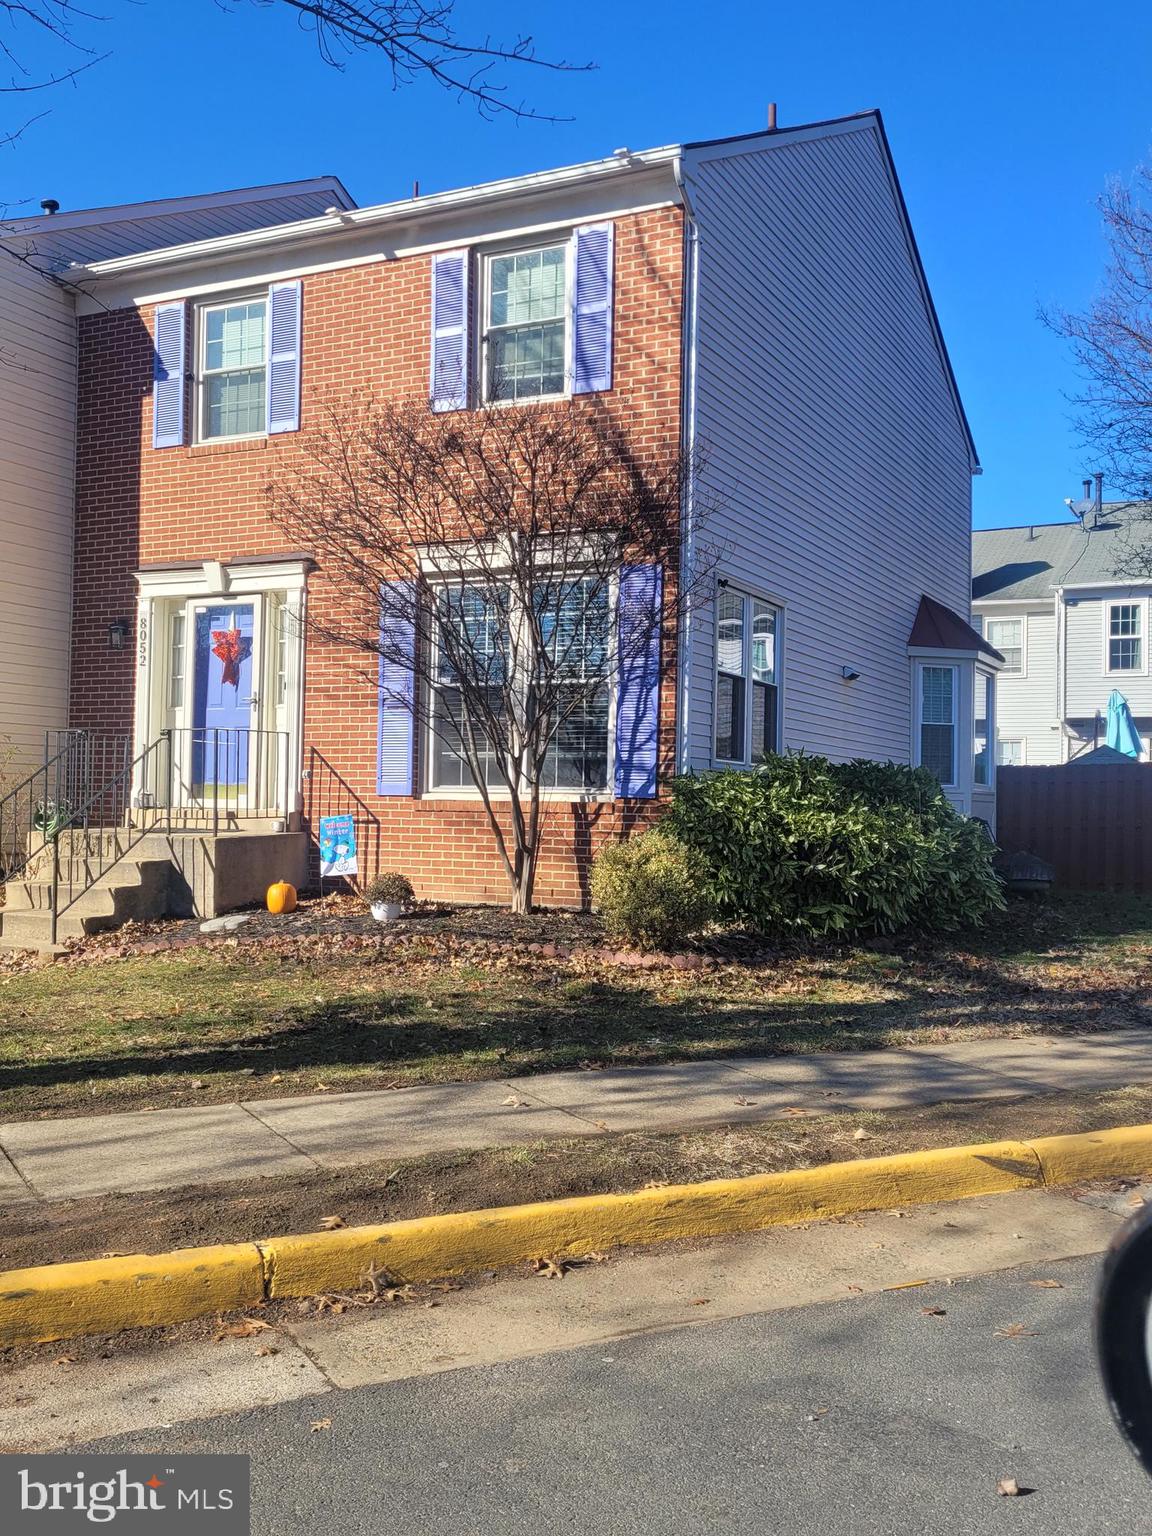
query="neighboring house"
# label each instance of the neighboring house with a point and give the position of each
(38, 347)
(760, 297)
(1069, 627)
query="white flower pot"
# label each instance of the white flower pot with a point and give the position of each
(386, 911)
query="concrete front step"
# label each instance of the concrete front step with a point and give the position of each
(130, 889)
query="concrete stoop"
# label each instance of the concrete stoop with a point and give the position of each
(145, 877)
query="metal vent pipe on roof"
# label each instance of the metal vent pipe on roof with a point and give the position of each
(771, 117)
(49, 205)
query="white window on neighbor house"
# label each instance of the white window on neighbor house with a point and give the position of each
(1007, 637)
(232, 376)
(525, 332)
(984, 732)
(938, 693)
(747, 726)
(1126, 637)
(1010, 752)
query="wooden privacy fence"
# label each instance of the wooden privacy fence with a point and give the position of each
(1093, 822)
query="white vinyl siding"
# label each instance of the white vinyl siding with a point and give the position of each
(1089, 679)
(1026, 703)
(834, 444)
(37, 451)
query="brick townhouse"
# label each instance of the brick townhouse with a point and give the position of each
(760, 296)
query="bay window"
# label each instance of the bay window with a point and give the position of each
(985, 729)
(747, 726)
(939, 687)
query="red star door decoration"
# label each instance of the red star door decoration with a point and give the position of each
(229, 646)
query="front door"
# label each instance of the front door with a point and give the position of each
(223, 701)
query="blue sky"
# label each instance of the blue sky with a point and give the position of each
(1006, 120)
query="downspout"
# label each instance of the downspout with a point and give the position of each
(1062, 670)
(688, 439)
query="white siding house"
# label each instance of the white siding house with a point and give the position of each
(37, 423)
(838, 453)
(1072, 626)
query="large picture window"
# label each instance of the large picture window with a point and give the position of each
(938, 691)
(525, 323)
(747, 724)
(481, 632)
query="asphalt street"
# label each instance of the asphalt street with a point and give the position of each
(891, 1413)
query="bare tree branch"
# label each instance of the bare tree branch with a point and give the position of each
(418, 38)
(489, 544)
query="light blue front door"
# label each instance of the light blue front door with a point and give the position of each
(222, 696)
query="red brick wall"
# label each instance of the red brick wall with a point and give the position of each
(365, 327)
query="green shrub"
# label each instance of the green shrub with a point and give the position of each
(807, 848)
(652, 890)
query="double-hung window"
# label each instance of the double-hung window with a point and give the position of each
(747, 726)
(1007, 637)
(1126, 637)
(233, 372)
(484, 644)
(1010, 752)
(939, 687)
(525, 331)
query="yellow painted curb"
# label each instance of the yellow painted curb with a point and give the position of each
(58, 1301)
(449, 1245)
(105, 1295)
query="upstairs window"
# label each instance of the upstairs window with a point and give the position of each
(747, 681)
(1007, 637)
(234, 369)
(938, 690)
(525, 336)
(1125, 637)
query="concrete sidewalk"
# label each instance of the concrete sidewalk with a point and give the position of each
(160, 1149)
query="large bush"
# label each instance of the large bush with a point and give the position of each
(807, 848)
(652, 890)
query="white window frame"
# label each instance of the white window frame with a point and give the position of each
(1009, 618)
(261, 296)
(1141, 605)
(486, 257)
(984, 678)
(748, 597)
(919, 723)
(469, 791)
(1018, 741)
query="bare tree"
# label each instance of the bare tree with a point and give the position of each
(503, 569)
(419, 38)
(27, 24)
(1112, 342)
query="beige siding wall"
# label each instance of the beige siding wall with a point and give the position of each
(833, 439)
(37, 446)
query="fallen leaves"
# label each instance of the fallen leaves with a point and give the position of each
(1015, 1331)
(64, 1360)
(550, 1269)
(860, 1134)
(331, 1223)
(245, 1328)
(318, 1424)
(1047, 1285)
(1008, 1488)
(740, 1099)
(933, 1312)
(513, 1101)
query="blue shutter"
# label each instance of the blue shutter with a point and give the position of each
(592, 309)
(397, 682)
(638, 682)
(284, 306)
(168, 391)
(450, 331)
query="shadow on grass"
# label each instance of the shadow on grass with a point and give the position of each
(408, 1037)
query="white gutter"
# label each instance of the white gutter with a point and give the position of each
(343, 220)
(688, 498)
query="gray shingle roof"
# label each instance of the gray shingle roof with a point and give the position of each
(1029, 562)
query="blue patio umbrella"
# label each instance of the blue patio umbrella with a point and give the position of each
(1122, 734)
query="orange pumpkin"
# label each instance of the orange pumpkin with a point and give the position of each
(281, 898)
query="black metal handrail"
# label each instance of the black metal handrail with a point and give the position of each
(47, 800)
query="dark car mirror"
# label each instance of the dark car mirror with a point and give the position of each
(1123, 1335)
